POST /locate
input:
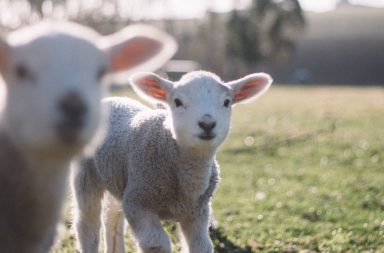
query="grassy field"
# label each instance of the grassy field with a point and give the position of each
(302, 171)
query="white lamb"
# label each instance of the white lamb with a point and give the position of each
(52, 89)
(159, 164)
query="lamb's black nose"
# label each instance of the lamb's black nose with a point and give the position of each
(207, 123)
(72, 108)
(207, 126)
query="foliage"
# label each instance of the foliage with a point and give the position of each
(267, 30)
(230, 44)
(302, 171)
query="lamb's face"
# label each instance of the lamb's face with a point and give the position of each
(200, 103)
(54, 89)
(201, 111)
(54, 74)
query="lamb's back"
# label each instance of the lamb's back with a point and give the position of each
(140, 159)
(134, 132)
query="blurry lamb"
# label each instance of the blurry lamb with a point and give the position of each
(50, 111)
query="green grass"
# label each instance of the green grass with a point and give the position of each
(302, 171)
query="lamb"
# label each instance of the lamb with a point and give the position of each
(53, 77)
(158, 164)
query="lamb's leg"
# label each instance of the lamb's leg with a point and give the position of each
(194, 235)
(147, 229)
(113, 223)
(88, 195)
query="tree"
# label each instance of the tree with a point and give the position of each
(265, 31)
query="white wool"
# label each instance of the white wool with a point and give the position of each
(159, 164)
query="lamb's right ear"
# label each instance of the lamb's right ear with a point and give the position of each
(151, 86)
(136, 48)
(4, 54)
(250, 87)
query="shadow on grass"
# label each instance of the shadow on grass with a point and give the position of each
(224, 245)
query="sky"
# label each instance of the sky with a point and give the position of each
(196, 8)
(329, 5)
(308, 5)
(174, 8)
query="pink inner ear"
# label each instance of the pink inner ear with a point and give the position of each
(249, 89)
(135, 52)
(152, 88)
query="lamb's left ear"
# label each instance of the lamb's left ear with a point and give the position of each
(151, 87)
(250, 87)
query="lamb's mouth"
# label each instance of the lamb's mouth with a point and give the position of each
(207, 136)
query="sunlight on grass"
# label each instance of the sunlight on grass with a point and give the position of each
(302, 171)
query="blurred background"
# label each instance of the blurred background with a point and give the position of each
(297, 41)
(302, 171)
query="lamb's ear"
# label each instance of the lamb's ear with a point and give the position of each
(4, 54)
(250, 87)
(135, 48)
(151, 87)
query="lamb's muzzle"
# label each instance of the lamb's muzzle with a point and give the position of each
(207, 124)
(73, 111)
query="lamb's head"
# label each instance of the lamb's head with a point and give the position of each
(200, 103)
(54, 76)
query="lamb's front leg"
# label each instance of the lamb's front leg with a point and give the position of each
(113, 223)
(147, 229)
(194, 234)
(87, 196)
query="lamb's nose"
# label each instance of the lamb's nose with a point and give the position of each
(72, 107)
(207, 126)
(207, 123)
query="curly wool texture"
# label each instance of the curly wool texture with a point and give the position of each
(159, 164)
(140, 156)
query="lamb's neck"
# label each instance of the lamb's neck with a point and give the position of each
(195, 173)
(46, 167)
(48, 170)
(50, 177)
(45, 176)
(37, 182)
(198, 155)
(48, 164)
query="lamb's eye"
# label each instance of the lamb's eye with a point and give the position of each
(22, 73)
(178, 102)
(101, 73)
(227, 102)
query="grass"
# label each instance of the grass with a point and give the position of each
(302, 171)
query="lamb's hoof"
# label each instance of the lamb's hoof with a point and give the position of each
(156, 249)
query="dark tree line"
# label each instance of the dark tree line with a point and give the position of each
(265, 31)
(229, 44)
